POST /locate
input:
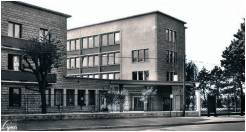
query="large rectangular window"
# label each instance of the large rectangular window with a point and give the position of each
(117, 58)
(111, 39)
(85, 61)
(78, 62)
(110, 58)
(140, 55)
(85, 43)
(91, 97)
(134, 75)
(43, 34)
(170, 36)
(96, 41)
(104, 40)
(90, 63)
(117, 38)
(104, 59)
(171, 56)
(14, 62)
(72, 44)
(90, 42)
(14, 30)
(15, 97)
(96, 60)
(70, 97)
(167, 34)
(81, 97)
(72, 63)
(140, 75)
(77, 44)
(58, 97)
(111, 76)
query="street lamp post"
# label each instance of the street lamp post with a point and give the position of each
(171, 97)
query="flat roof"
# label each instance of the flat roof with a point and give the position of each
(40, 8)
(143, 14)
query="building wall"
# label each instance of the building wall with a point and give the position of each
(32, 20)
(164, 22)
(136, 33)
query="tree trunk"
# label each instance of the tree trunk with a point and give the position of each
(42, 88)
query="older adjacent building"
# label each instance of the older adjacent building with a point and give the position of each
(135, 53)
(21, 22)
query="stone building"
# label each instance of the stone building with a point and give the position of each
(128, 56)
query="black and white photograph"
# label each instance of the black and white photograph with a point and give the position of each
(123, 65)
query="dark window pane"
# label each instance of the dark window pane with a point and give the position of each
(134, 76)
(10, 62)
(14, 97)
(146, 75)
(167, 57)
(58, 97)
(140, 75)
(91, 97)
(70, 97)
(146, 54)
(167, 76)
(141, 55)
(81, 97)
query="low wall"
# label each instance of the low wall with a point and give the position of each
(74, 116)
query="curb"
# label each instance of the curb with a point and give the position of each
(127, 126)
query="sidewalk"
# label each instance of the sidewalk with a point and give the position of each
(120, 123)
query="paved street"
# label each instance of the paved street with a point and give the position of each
(203, 127)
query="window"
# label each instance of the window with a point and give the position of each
(77, 62)
(174, 36)
(110, 58)
(85, 43)
(171, 56)
(43, 34)
(90, 63)
(96, 76)
(77, 44)
(117, 38)
(167, 57)
(140, 75)
(70, 97)
(117, 76)
(104, 59)
(96, 41)
(84, 76)
(140, 55)
(58, 97)
(72, 44)
(117, 58)
(14, 30)
(84, 61)
(104, 40)
(81, 97)
(91, 76)
(135, 56)
(96, 60)
(48, 96)
(111, 39)
(111, 76)
(167, 34)
(170, 76)
(91, 97)
(146, 75)
(68, 45)
(15, 97)
(90, 42)
(72, 63)
(170, 36)
(14, 62)
(134, 76)
(68, 63)
(104, 76)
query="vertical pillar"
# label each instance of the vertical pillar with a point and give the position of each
(198, 102)
(64, 97)
(76, 97)
(96, 100)
(145, 103)
(86, 97)
(52, 99)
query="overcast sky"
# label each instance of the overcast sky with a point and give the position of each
(211, 23)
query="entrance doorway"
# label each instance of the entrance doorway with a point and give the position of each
(138, 104)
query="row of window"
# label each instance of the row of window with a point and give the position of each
(140, 55)
(115, 76)
(94, 41)
(140, 75)
(171, 56)
(15, 97)
(171, 35)
(93, 60)
(15, 31)
(170, 76)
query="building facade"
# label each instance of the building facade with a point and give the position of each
(21, 22)
(135, 53)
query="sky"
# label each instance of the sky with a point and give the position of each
(210, 23)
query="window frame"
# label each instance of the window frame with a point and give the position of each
(14, 30)
(14, 100)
